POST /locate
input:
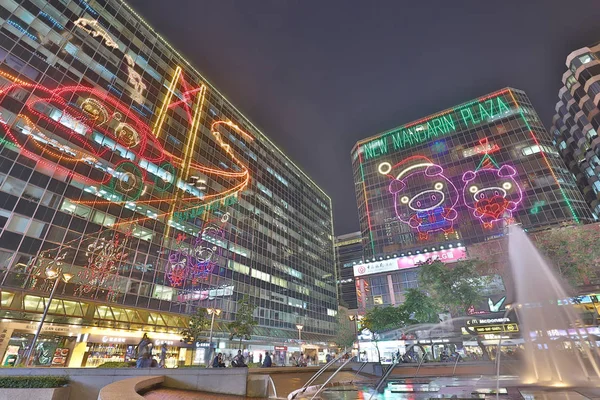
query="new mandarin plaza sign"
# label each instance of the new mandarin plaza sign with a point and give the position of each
(463, 117)
(394, 264)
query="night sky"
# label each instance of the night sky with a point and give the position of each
(316, 76)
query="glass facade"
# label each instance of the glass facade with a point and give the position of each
(577, 120)
(349, 253)
(126, 168)
(458, 177)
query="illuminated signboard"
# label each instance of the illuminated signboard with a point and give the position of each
(465, 117)
(491, 325)
(394, 264)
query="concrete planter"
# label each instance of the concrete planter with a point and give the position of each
(61, 393)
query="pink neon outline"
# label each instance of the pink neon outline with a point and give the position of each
(450, 210)
(511, 206)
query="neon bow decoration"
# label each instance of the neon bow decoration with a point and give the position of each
(424, 198)
(492, 194)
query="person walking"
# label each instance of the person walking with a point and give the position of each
(268, 362)
(260, 358)
(143, 352)
(163, 356)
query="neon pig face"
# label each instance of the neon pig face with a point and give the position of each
(431, 207)
(493, 194)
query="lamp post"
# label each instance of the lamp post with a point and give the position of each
(299, 327)
(53, 272)
(212, 312)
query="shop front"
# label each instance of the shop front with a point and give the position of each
(122, 347)
(53, 347)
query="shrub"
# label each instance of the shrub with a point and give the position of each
(33, 382)
(117, 364)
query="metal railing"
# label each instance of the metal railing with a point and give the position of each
(316, 376)
(385, 375)
(363, 365)
(331, 377)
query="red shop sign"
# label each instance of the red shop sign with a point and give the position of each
(280, 348)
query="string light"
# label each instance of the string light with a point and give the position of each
(93, 27)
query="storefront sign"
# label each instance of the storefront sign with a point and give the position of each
(112, 339)
(394, 264)
(491, 325)
(49, 328)
(281, 348)
(205, 344)
(161, 342)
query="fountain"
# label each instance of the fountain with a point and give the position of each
(550, 358)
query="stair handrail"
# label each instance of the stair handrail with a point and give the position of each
(315, 376)
(331, 377)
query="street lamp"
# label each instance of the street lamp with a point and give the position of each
(52, 272)
(212, 312)
(299, 327)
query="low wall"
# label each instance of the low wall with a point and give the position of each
(85, 383)
(128, 389)
(37, 394)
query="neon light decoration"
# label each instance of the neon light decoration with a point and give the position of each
(196, 261)
(424, 198)
(104, 256)
(492, 193)
(466, 116)
(91, 127)
(93, 27)
(136, 80)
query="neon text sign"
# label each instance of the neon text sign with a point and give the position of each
(465, 117)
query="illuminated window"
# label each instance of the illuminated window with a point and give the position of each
(263, 276)
(586, 58)
(591, 134)
(378, 300)
(562, 145)
(589, 172)
(527, 151)
(331, 313)
(264, 189)
(596, 187)
(163, 292)
(570, 81)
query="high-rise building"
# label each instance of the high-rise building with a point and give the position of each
(125, 169)
(430, 188)
(577, 120)
(349, 253)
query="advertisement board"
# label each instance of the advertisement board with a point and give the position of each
(393, 264)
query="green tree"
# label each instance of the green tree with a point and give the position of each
(573, 250)
(421, 308)
(453, 287)
(345, 334)
(199, 322)
(244, 322)
(381, 319)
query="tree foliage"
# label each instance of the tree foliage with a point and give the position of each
(453, 287)
(346, 336)
(381, 319)
(199, 322)
(421, 308)
(574, 251)
(244, 322)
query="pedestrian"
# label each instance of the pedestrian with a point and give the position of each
(260, 358)
(163, 356)
(143, 350)
(268, 361)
